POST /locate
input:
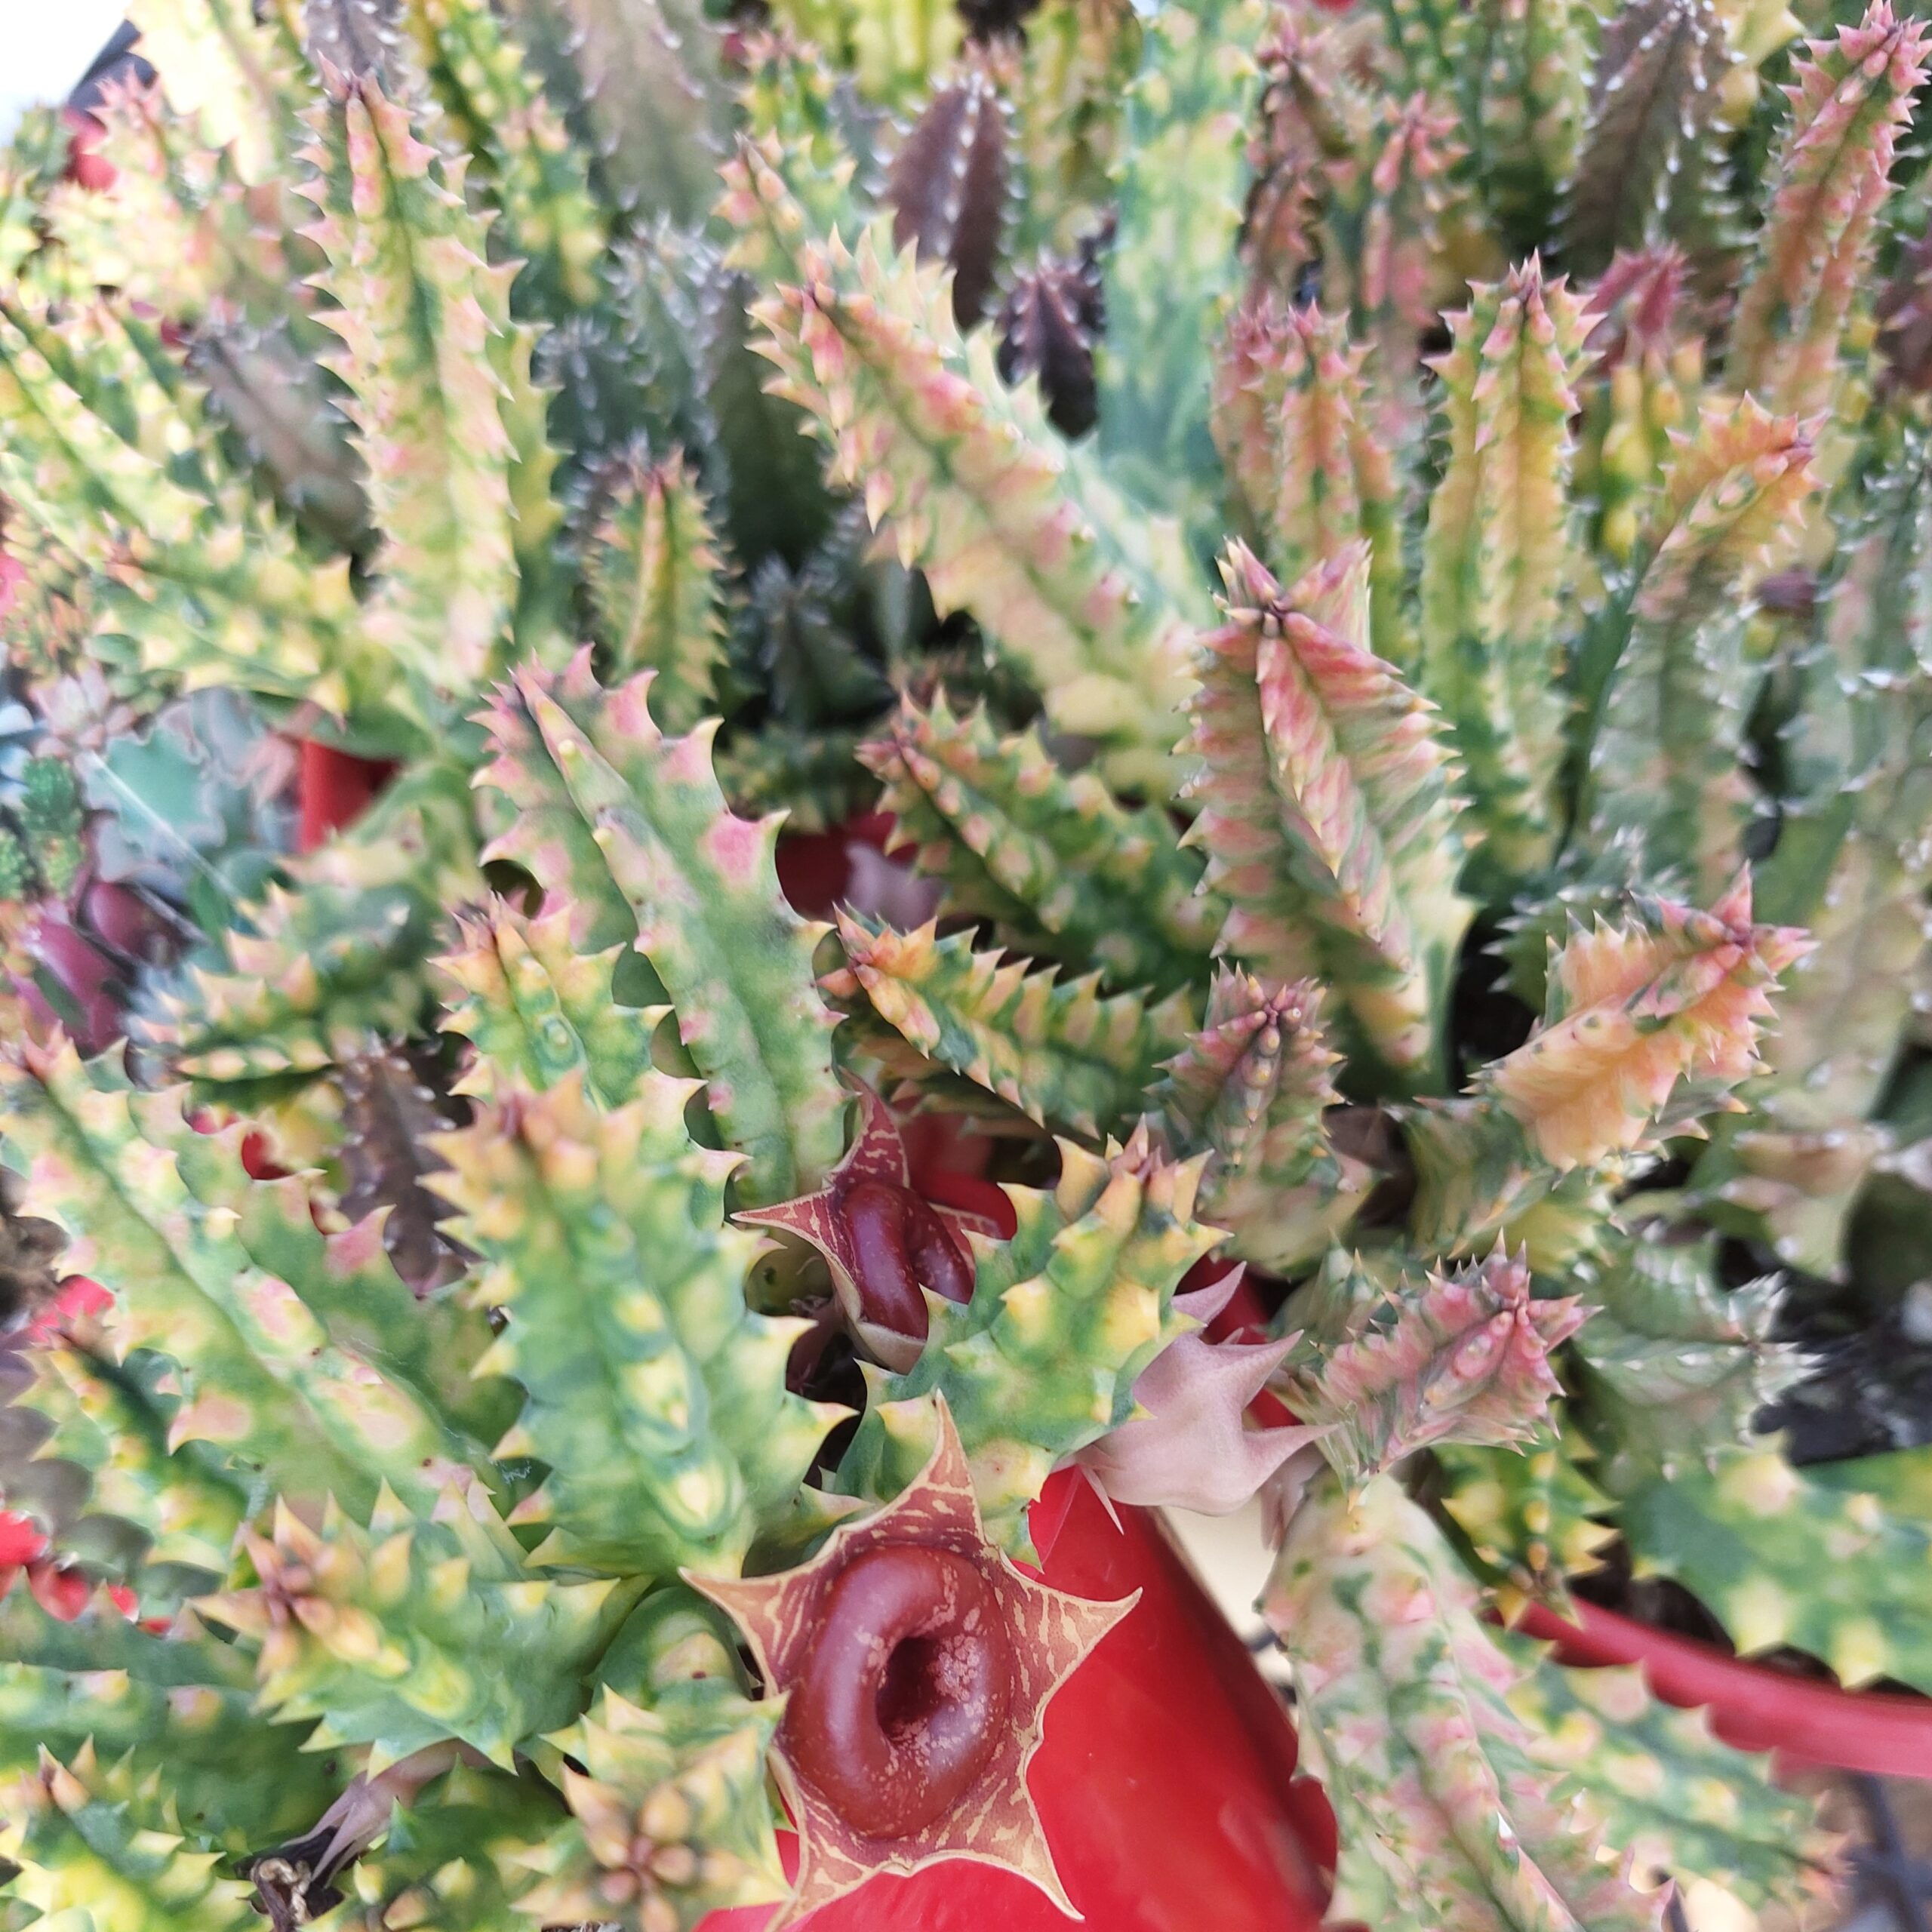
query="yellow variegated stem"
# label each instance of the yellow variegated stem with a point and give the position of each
(793, 129)
(1327, 811)
(1757, 30)
(1668, 1792)
(112, 1420)
(1676, 995)
(1497, 556)
(654, 576)
(547, 220)
(1729, 503)
(536, 1003)
(238, 73)
(1066, 94)
(1647, 370)
(892, 46)
(450, 1847)
(1462, 1357)
(1092, 603)
(438, 381)
(109, 453)
(1530, 1513)
(1851, 99)
(302, 1357)
(1646, 1023)
(1402, 1696)
(1058, 1049)
(177, 228)
(172, 1712)
(335, 956)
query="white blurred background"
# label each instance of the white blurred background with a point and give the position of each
(49, 44)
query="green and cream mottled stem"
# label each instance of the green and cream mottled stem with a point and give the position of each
(1060, 1050)
(432, 366)
(1251, 1090)
(654, 1397)
(1745, 1532)
(548, 220)
(1328, 810)
(538, 1008)
(83, 1834)
(336, 955)
(1064, 871)
(301, 1355)
(1497, 556)
(669, 1815)
(654, 576)
(417, 1628)
(111, 457)
(1457, 1358)
(632, 824)
(1092, 601)
(1403, 1700)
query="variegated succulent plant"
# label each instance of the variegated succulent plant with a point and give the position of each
(1379, 564)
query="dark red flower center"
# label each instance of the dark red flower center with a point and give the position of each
(905, 1692)
(900, 1245)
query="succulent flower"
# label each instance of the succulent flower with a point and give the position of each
(887, 1247)
(916, 1663)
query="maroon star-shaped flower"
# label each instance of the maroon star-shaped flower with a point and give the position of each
(888, 1247)
(917, 1663)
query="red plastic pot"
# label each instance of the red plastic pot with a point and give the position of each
(332, 788)
(1752, 1705)
(815, 868)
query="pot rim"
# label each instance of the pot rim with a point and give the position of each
(1752, 1705)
